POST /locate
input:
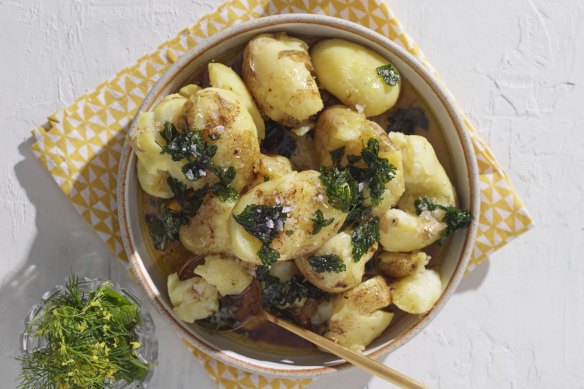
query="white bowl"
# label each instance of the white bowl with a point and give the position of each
(464, 174)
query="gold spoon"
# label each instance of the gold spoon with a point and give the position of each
(248, 305)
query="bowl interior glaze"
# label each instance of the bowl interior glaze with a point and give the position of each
(463, 174)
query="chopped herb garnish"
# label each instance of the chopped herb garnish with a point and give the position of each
(341, 188)
(89, 341)
(189, 146)
(266, 178)
(326, 263)
(389, 74)
(407, 120)
(318, 221)
(278, 140)
(358, 215)
(364, 236)
(454, 218)
(337, 155)
(277, 295)
(264, 222)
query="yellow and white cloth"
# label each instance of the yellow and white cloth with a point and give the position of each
(82, 144)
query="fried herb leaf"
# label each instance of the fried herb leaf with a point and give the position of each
(164, 229)
(407, 120)
(389, 74)
(337, 155)
(318, 221)
(357, 215)
(268, 255)
(326, 263)
(342, 190)
(364, 236)
(278, 295)
(278, 140)
(454, 218)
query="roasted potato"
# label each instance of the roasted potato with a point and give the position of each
(278, 73)
(339, 126)
(357, 317)
(189, 90)
(192, 299)
(271, 167)
(334, 282)
(424, 175)
(300, 195)
(206, 232)
(226, 274)
(399, 265)
(349, 72)
(402, 231)
(154, 183)
(223, 77)
(418, 292)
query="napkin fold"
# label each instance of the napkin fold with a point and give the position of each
(82, 143)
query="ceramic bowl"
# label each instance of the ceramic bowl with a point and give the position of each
(463, 173)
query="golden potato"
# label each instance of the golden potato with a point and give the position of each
(349, 72)
(223, 77)
(189, 90)
(154, 184)
(192, 299)
(424, 175)
(333, 282)
(339, 126)
(357, 317)
(300, 195)
(271, 167)
(399, 265)
(278, 73)
(225, 273)
(402, 231)
(418, 292)
(206, 232)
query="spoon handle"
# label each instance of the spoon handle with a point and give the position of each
(357, 359)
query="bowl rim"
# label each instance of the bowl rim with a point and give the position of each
(416, 65)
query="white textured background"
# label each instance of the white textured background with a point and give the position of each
(517, 67)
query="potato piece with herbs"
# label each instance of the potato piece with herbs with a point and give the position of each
(192, 299)
(206, 232)
(418, 292)
(424, 175)
(271, 167)
(332, 267)
(278, 73)
(273, 220)
(226, 274)
(399, 265)
(357, 317)
(223, 77)
(154, 183)
(349, 71)
(339, 126)
(402, 231)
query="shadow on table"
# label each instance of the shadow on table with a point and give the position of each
(475, 279)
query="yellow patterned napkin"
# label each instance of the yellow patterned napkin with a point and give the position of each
(81, 147)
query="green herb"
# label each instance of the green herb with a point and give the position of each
(407, 120)
(389, 74)
(364, 236)
(358, 215)
(266, 178)
(278, 295)
(377, 173)
(326, 263)
(189, 146)
(264, 222)
(90, 341)
(454, 218)
(318, 221)
(278, 140)
(342, 190)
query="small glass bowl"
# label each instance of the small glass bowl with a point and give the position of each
(146, 331)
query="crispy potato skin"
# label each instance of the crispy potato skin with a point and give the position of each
(206, 232)
(349, 72)
(399, 265)
(340, 126)
(357, 317)
(278, 72)
(333, 282)
(303, 194)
